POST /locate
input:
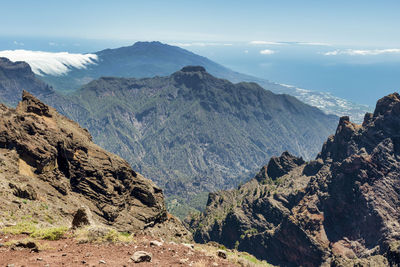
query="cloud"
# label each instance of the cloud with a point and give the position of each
(50, 63)
(314, 43)
(267, 52)
(19, 43)
(288, 43)
(354, 52)
(201, 44)
(265, 43)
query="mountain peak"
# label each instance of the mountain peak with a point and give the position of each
(193, 69)
(11, 67)
(386, 104)
(148, 43)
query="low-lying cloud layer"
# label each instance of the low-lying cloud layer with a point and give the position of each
(267, 52)
(50, 63)
(265, 43)
(200, 44)
(288, 43)
(354, 52)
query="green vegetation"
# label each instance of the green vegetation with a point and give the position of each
(181, 207)
(30, 228)
(25, 227)
(53, 233)
(237, 243)
(101, 235)
(256, 262)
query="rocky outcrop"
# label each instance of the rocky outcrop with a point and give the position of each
(56, 158)
(342, 209)
(16, 76)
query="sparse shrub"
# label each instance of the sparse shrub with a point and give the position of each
(222, 247)
(101, 234)
(31, 229)
(53, 233)
(20, 228)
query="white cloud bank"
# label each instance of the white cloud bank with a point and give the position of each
(288, 43)
(354, 52)
(200, 44)
(267, 52)
(265, 43)
(50, 63)
(314, 43)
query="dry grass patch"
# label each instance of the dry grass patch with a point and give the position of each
(31, 229)
(236, 257)
(101, 235)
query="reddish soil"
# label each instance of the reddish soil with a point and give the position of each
(68, 252)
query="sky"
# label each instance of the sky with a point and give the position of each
(339, 22)
(350, 48)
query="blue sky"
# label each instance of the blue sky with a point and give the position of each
(350, 48)
(361, 23)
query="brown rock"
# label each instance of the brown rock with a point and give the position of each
(24, 191)
(59, 156)
(222, 254)
(81, 218)
(141, 256)
(33, 246)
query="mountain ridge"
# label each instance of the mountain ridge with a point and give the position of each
(150, 59)
(341, 209)
(198, 120)
(191, 130)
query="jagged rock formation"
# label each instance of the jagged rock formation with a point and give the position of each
(341, 209)
(63, 169)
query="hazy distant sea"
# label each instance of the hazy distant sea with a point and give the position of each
(361, 77)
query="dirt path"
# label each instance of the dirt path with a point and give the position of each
(67, 252)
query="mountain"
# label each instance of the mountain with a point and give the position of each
(190, 132)
(52, 162)
(194, 133)
(341, 209)
(16, 76)
(149, 59)
(141, 60)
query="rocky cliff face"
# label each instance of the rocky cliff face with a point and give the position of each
(50, 167)
(341, 209)
(16, 76)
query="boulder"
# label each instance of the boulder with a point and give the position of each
(141, 256)
(81, 218)
(222, 254)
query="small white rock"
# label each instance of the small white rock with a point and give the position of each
(155, 243)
